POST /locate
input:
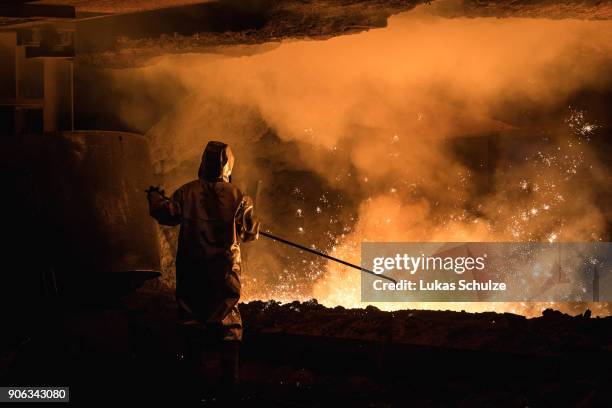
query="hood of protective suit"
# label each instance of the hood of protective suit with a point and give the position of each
(217, 162)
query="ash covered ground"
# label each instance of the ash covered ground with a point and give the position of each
(553, 333)
(308, 355)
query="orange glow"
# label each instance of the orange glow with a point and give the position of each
(375, 111)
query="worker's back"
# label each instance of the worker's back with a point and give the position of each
(214, 216)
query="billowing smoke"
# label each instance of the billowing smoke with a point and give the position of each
(429, 130)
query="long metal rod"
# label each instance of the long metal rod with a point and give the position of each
(312, 251)
(324, 255)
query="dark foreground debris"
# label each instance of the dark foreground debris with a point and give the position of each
(554, 333)
(307, 355)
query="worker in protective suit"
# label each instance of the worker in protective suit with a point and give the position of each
(214, 217)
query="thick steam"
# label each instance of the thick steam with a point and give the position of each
(377, 120)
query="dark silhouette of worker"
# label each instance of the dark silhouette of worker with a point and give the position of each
(214, 217)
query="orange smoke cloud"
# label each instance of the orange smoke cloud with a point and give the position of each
(375, 112)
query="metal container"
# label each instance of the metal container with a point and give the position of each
(102, 237)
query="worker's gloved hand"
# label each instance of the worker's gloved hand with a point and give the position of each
(155, 195)
(155, 189)
(251, 224)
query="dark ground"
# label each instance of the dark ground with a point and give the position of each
(306, 355)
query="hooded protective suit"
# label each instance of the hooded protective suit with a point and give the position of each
(214, 216)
